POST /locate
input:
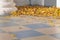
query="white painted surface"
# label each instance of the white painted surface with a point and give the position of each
(58, 3)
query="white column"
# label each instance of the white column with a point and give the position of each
(6, 6)
(58, 3)
(43, 2)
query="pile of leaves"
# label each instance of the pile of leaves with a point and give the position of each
(39, 11)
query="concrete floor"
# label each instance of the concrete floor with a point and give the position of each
(29, 28)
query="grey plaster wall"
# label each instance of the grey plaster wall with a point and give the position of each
(50, 2)
(26, 2)
(36, 2)
(21, 2)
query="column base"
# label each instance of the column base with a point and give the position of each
(5, 11)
